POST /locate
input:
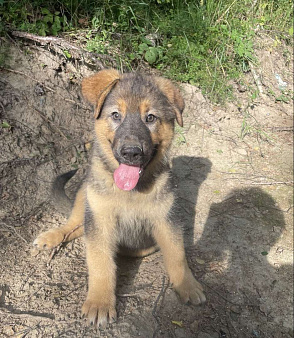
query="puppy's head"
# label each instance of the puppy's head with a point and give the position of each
(134, 125)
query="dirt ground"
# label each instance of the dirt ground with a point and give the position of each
(232, 170)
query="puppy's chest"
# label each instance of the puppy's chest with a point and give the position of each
(131, 212)
(133, 224)
(134, 232)
(136, 213)
(139, 206)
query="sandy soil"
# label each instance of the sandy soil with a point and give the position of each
(232, 171)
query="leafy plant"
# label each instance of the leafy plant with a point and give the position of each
(50, 23)
(5, 124)
(208, 43)
(251, 126)
(180, 135)
(151, 54)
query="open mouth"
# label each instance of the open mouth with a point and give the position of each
(126, 177)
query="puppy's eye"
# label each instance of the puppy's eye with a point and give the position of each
(116, 116)
(151, 118)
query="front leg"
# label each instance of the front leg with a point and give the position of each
(170, 241)
(71, 230)
(99, 306)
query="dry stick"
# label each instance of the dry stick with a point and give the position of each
(30, 314)
(57, 248)
(44, 39)
(219, 294)
(221, 17)
(270, 183)
(154, 311)
(13, 228)
(128, 295)
(258, 183)
(282, 128)
(256, 79)
(202, 140)
(61, 43)
(24, 332)
(2, 107)
(45, 118)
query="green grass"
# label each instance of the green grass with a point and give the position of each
(205, 42)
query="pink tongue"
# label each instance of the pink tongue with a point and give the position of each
(126, 177)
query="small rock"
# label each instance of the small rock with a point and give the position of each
(236, 309)
(80, 148)
(8, 330)
(234, 316)
(39, 89)
(255, 333)
(34, 252)
(222, 334)
(88, 146)
(264, 309)
(277, 229)
(241, 88)
(200, 261)
(153, 38)
(241, 151)
(194, 326)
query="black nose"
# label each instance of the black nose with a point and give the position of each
(131, 153)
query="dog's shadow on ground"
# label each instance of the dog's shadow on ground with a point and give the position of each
(236, 246)
(188, 175)
(240, 230)
(238, 234)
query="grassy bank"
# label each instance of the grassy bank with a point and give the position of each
(207, 42)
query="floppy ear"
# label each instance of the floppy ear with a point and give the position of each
(174, 96)
(96, 87)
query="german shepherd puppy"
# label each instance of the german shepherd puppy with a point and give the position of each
(125, 202)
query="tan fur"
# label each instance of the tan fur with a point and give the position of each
(100, 259)
(122, 106)
(95, 88)
(172, 247)
(117, 215)
(174, 96)
(144, 107)
(71, 230)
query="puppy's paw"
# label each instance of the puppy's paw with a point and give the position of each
(189, 290)
(48, 240)
(99, 313)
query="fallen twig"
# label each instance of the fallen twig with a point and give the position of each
(219, 294)
(26, 331)
(13, 228)
(57, 248)
(278, 129)
(60, 44)
(45, 118)
(256, 79)
(44, 39)
(128, 295)
(270, 183)
(154, 311)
